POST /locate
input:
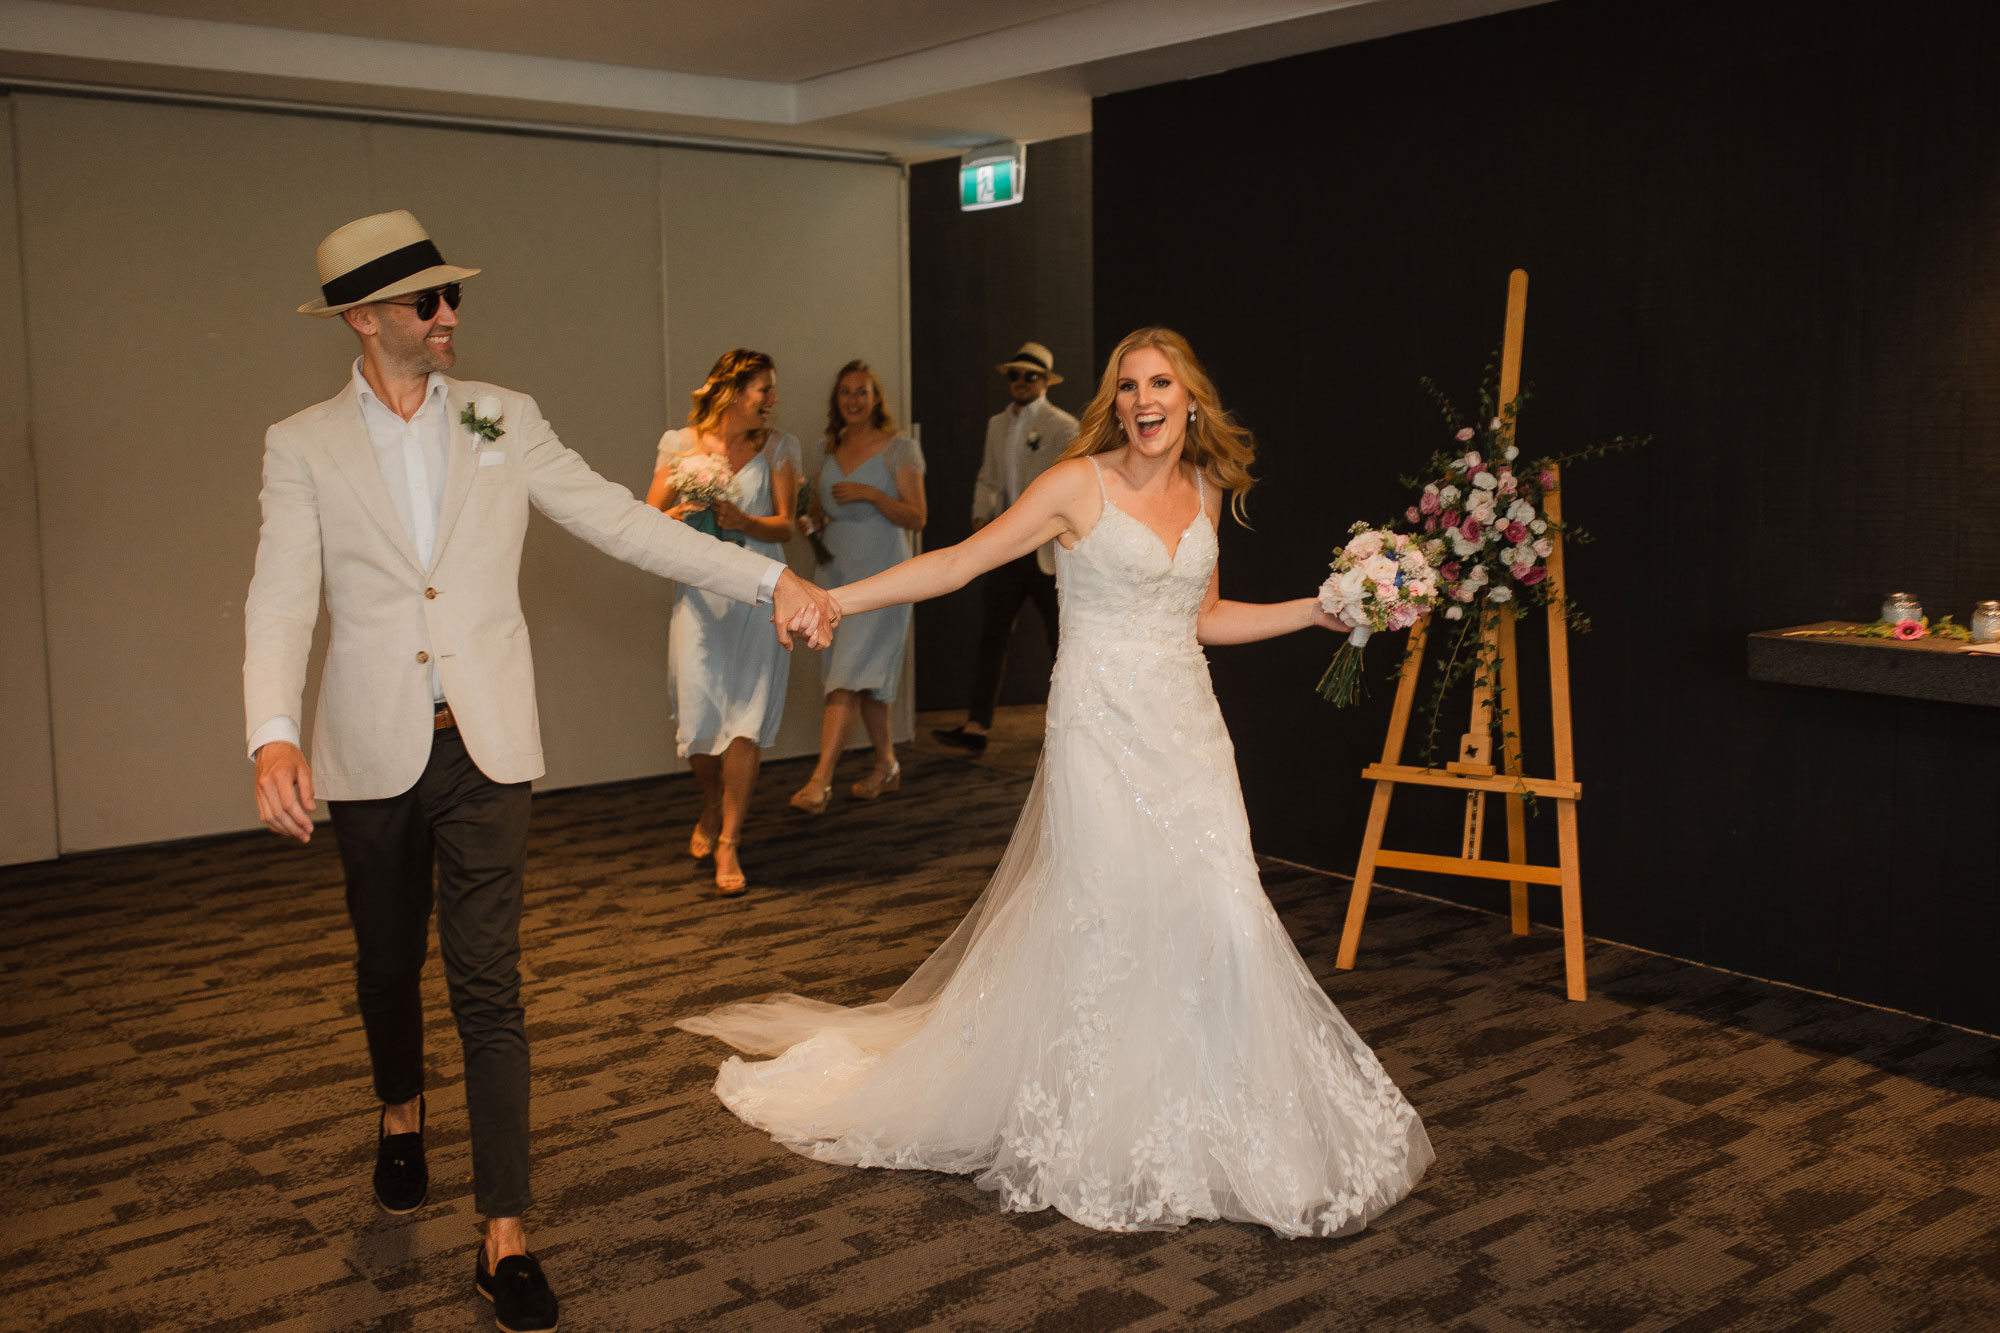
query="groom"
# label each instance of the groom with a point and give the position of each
(402, 500)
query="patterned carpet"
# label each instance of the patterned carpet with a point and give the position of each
(186, 1120)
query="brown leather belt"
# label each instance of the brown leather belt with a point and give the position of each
(443, 718)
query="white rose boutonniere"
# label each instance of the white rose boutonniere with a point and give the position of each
(483, 419)
(1034, 439)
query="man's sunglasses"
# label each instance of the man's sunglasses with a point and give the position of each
(1012, 376)
(426, 304)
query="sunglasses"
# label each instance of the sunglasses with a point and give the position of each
(1014, 376)
(426, 304)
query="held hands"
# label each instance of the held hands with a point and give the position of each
(799, 607)
(285, 790)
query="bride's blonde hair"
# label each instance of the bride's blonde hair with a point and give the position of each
(1217, 443)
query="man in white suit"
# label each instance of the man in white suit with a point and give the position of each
(1021, 443)
(403, 501)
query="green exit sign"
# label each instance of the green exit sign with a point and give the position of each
(992, 177)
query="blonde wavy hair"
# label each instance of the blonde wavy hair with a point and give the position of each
(883, 419)
(1217, 443)
(731, 374)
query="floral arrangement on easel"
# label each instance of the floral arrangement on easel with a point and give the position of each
(1488, 512)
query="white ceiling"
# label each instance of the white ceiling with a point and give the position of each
(909, 79)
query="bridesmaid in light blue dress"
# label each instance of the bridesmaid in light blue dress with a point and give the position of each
(871, 501)
(725, 669)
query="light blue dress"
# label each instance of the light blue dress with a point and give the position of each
(867, 652)
(725, 670)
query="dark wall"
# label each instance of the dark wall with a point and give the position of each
(981, 284)
(1767, 233)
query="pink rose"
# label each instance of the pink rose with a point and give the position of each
(1910, 629)
(1450, 572)
(1464, 434)
(1547, 479)
(1385, 592)
(1411, 514)
(1530, 574)
(1517, 531)
(1404, 616)
(1508, 482)
(1429, 502)
(1469, 529)
(1431, 524)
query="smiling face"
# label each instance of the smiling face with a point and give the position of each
(1152, 403)
(1025, 386)
(753, 406)
(855, 397)
(406, 345)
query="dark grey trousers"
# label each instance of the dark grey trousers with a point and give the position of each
(474, 831)
(1007, 589)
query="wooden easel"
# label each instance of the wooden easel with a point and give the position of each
(1473, 772)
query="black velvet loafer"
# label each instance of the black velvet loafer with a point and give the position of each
(522, 1301)
(402, 1180)
(974, 741)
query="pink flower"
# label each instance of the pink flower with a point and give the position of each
(1429, 502)
(1547, 479)
(1472, 459)
(1464, 434)
(1431, 524)
(1508, 482)
(1469, 529)
(1411, 514)
(1404, 616)
(1531, 574)
(1910, 629)
(1517, 532)
(1450, 572)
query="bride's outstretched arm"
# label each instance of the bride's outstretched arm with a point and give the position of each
(1046, 510)
(1247, 622)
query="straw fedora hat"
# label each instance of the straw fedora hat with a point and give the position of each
(375, 258)
(1033, 356)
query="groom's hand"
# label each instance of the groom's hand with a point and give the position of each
(799, 605)
(285, 790)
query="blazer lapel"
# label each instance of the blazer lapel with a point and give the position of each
(354, 453)
(461, 461)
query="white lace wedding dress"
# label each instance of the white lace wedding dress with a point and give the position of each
(1120, 1029)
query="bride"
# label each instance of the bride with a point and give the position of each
(1120, 1028)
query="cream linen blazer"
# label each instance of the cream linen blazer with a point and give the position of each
(330, 529)
(989, 493)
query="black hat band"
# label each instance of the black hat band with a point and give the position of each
(1032, 360)
(378, 273)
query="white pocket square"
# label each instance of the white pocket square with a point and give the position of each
(492, 457)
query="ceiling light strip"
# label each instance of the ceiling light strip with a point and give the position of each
(546, 129)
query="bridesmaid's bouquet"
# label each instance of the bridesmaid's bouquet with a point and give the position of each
(702, 479)
(1381, 580)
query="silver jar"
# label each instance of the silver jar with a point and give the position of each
(1900, 607)
(1986, 623)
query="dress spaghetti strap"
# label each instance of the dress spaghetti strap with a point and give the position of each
(1102, 494)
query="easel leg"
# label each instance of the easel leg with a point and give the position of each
(1510, 749)
(1364, 875)
(1572, 900)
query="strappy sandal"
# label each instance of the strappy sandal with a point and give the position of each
(812, 799)
(701, 844)
(878, 782)
(728, 884)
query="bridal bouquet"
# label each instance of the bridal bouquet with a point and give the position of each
(1381, 580)
(702, 479)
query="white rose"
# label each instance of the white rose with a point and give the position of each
(1365, 545)
(1544, 546)
(1495, 425)
(1353, 585)
(1449, 495)
(1539, 525)
(1478, 577)
(487, 408)
(1460, 547)
(1512, 452)
(1507, 556)
(1500, 594)
(1486, 481)
(1379, 569)
(1454, 613)
(1520, 511)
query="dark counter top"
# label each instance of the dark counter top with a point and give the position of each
(1954, 673)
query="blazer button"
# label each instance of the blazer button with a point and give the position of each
(430, 592)
(423, 657)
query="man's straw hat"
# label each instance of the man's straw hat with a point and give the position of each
(1033, 356)
(375, 258)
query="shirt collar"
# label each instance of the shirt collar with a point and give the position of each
(433, 386)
